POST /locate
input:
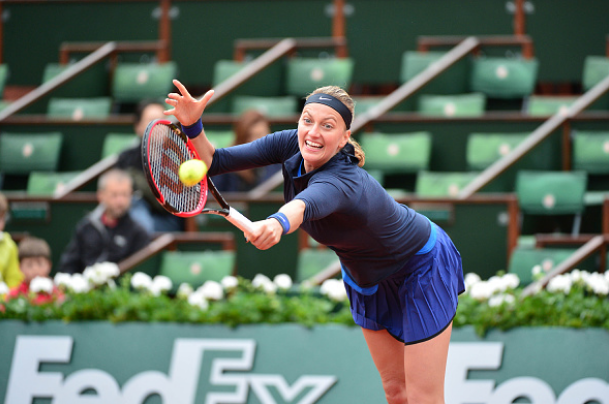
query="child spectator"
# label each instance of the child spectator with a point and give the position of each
(34, 262)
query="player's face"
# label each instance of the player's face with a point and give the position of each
(321, 134)
(116, 197)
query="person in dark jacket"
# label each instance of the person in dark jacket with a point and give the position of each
(144, 207)
(108, 233)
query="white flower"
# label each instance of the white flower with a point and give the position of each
(536, 271)
(229, 282)
(496, 284)
(500, 299)
(100, 273)
(3, 288)
(197, 299)
(184, 290)
(264, 282)
(283, 281)
(62, 280)
(211, 290)
(334, 289)
(511, 281)
(471, 279)
(110, 269)
(598, 284)
(41, 284)
(481, 291)
(160, 284)
(560, 283)
(577, 275)
(141, 281)
(78, 284)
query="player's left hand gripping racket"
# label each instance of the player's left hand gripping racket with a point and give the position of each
(164, 149)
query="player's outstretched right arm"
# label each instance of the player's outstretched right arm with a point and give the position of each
(188, 111)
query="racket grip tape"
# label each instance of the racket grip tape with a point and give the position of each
(240, 221)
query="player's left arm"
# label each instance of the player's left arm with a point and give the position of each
(268, 232)
(319, 200)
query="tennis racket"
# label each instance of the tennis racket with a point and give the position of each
(164, 149)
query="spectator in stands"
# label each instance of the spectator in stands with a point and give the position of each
(251, 125)
(108, 233)
(145, 209)
(9, 262)
(35, 262)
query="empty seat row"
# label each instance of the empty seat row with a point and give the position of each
(471, 105)
(410, 152)
(132, 82)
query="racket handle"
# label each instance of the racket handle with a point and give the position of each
(240, 221)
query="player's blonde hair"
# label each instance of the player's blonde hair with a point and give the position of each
(346, 99)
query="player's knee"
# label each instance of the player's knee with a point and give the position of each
(415, 395)
(395, 391)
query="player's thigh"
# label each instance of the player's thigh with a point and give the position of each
(387, 354)
(425, 368)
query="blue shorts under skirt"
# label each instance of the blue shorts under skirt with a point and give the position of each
(417, 303)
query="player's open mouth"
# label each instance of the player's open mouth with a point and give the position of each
(313, 145)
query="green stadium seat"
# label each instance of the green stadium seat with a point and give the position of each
(449, 106)
(452, 81)
(541, 105)
(311, 261)
(93, 82)
(114, 143)
(194, 267)
(271, 107)
(523, 259)
(364, 103)
(397, 152)
(504, 77)
(133, 82)
(304, 75)
(551, 192)
(3, 77)
(220, 138)
(483, 149)
(442, 184)
(591, 152)
(46, 183)
(267, 83)
(596, 68)
(22, 153)
(78, 109)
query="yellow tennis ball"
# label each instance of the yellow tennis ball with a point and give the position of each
(192, 172)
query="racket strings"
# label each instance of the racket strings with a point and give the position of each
(170, 152)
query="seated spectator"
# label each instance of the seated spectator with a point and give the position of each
(108, 233)
(34, 262)
(251, 125)
(9, 261)
(145, 209)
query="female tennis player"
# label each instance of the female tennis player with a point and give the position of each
(401, 271)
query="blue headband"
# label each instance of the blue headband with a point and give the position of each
(333, 103)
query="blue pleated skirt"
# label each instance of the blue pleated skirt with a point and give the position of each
(419, 301)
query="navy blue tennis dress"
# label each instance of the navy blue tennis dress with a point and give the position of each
(401, 271)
